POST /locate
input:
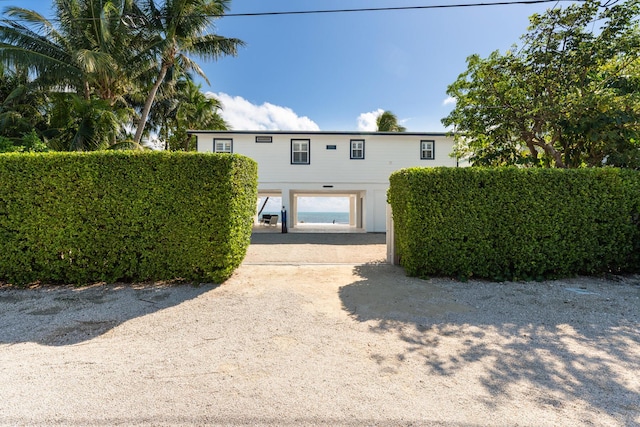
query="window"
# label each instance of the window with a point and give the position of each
(357, 148)
(300, 151)
(427, 150)
(223, 145)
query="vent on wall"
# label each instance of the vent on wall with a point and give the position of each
(264, 139)
(331, 147)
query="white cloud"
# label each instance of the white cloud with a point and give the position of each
(323, 204)
(367, 121)
(450, 100)
(241, 114)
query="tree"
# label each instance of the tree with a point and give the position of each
(79, 124)
(116, 55)
(388, 122)
(180, 29)
(30, 142)
(22, 106)
(93, 52)
(184, 108)
(567, 98)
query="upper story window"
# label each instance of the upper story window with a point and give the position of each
(427, 151)
(300, 151)
(223, 145)
(357, 148)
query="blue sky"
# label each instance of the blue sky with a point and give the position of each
(337, 71)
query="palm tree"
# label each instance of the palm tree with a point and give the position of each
(79, 124)
(184, 107)
(180, 28)
(95, 51)
(197, 111)
(388, 122)
(21, 104)
(28, 39)
(92, 50)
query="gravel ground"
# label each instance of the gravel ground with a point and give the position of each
(323, 333)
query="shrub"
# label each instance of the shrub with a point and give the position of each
(509, 223)
(115, 215)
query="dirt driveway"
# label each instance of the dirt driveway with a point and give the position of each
(351, 343)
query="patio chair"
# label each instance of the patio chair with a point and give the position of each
(265, 219)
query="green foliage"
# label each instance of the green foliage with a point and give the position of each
(388, 122)
(7, 145)
(106, 60)
(30, 142)
(568, 97)
(185, 107)
(510, 223)
(79, 124)
(21, 105)
(123, 215)
(180, 32)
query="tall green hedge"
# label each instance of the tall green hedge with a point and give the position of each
(509, 223)
(133, 216)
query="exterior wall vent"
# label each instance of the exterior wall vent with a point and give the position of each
(263, 139)
(331, 147)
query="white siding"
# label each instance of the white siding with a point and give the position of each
(383, 154)
(380, 212)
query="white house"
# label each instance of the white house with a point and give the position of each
(357, 165)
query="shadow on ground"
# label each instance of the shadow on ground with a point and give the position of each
(318, 238)
(570, 340)
(66, 316)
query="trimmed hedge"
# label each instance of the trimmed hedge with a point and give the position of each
(124, 216)
(509, 223)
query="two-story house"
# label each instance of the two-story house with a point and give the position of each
(357, 165)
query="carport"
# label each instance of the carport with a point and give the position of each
(289, 200)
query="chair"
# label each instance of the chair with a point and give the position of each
(273, 220)
(265, 219)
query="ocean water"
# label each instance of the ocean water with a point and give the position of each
(318, 217)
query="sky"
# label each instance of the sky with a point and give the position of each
(338, 71)
(306, 204)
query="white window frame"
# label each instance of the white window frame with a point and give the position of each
(226, 145)
(300, 151)
(427, 149)
(357, 149)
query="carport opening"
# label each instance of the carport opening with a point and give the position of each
(323, 210)
(268, 206)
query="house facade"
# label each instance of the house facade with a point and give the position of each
(357, 165)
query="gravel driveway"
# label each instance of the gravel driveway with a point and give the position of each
(323, 334)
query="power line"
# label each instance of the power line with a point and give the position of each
(379, 9)
(370, 9)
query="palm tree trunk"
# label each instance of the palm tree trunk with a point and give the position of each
(149, 102)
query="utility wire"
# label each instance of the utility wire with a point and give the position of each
(379, 9)
(371, 9)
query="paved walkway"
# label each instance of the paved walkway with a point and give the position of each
(316, 248)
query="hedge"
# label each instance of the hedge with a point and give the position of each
(509, 223)
(111, 216)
